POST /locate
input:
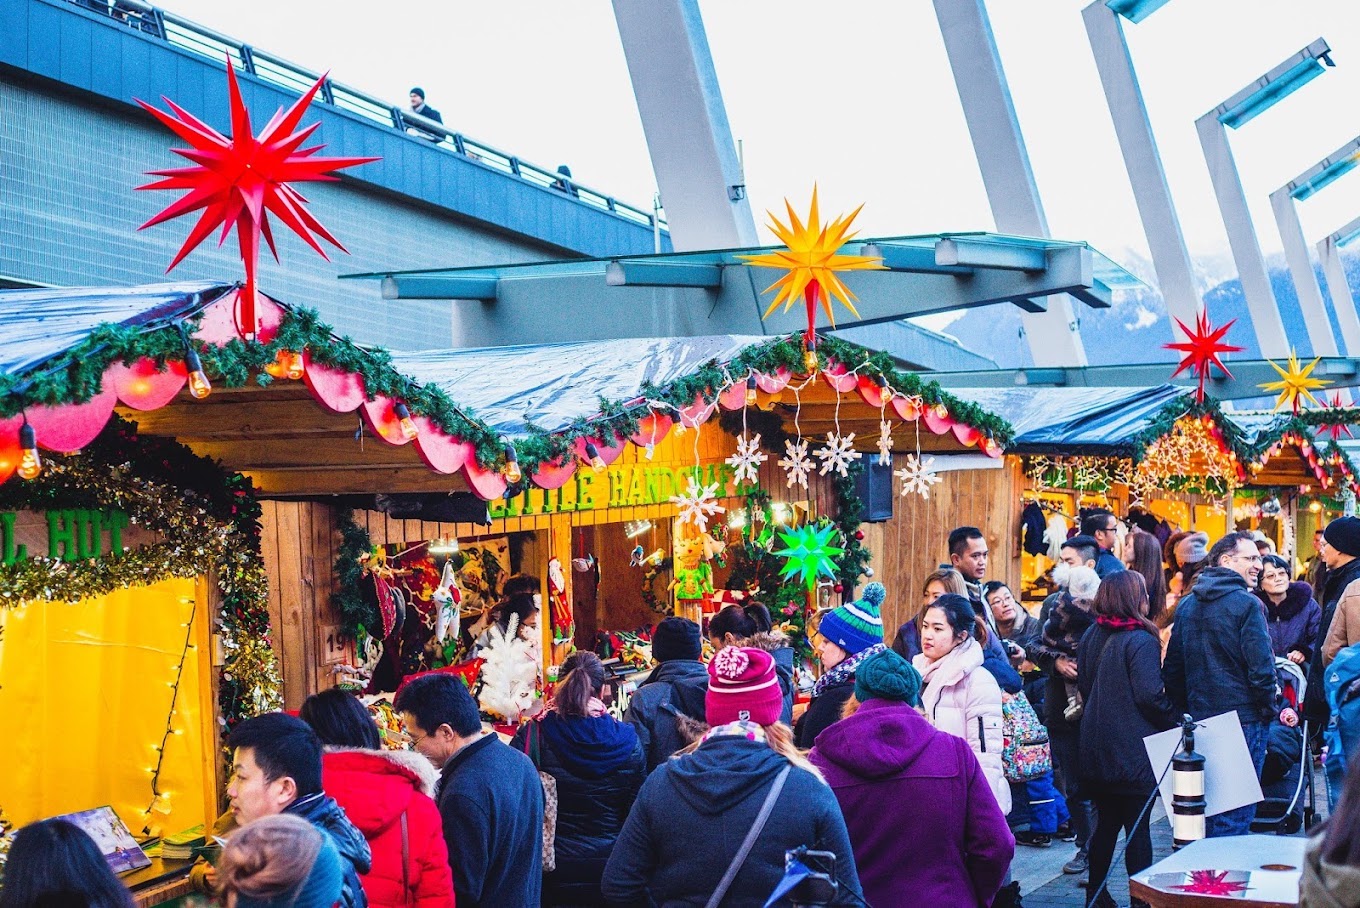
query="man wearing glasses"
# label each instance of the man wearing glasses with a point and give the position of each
(1104, 528)
(1220, 657)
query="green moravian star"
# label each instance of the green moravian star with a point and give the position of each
(809, 554)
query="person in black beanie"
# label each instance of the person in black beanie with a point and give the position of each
(667, 710)
(1341, 553)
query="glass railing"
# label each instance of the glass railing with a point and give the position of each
(205, 42)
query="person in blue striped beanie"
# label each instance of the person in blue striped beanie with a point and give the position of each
(847, 636)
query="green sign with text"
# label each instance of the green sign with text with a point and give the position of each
(72, 535)
(620, 486)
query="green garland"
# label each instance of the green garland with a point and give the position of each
(356, 613)
(74, 376)
(209, 520)
(1186, 406)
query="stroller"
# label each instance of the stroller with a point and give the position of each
(1287, 775)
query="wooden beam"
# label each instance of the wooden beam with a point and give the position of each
(326, 481)
(243, 420)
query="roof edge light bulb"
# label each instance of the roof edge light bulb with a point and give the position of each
(596, 461)
(30, 464)
(199, 386)
(408, 426)
(513, 473)
(751, 390)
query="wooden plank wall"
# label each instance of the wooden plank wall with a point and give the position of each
(912, 543)
(299, 542)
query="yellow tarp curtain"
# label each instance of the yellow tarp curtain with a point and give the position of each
(85, 694)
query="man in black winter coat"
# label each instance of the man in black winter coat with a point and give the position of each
(490, 798)
(1220, 657)
(672, 697)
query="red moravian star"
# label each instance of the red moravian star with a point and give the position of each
(240, 181)
(1201, 348)
(1212, 882)
(1334, 429)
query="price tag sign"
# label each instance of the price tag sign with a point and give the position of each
(334, 645)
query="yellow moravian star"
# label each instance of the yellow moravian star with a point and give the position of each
(1295, 382)
(810, 261)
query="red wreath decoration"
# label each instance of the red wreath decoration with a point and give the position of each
(239, 181)
(1201, 348)
(1335, 429)
(1211, 882)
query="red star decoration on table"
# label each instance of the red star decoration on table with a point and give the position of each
(1201, 348)
(1334, 429)
(1211, 882)
(239, 181)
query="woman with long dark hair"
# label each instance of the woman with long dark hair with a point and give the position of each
(907, 643)
(751, 625)
(54, 862)
(959, 695)
(1144, 555)
(388, 795)
(599, 766)
(1119, 674)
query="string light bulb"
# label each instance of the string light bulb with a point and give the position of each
(751, 390)
(596, 461)
(513, 473)
(294, 364)
(30, 464)
(810, 359)
(408, 426)
(199, 386)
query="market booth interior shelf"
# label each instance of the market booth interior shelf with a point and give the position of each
(197, 527)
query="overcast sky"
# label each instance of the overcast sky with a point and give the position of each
(548, 82)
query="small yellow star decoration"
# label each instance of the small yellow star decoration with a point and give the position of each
(1296, 383)
(810, 262)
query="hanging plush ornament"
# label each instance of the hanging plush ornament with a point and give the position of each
(1296, 383)
(1201, 349)
(810, 262)
(563, 621)
(698, 503)
(917, 475)
(240, 181)
(509, 674)
(748, 458)
(448, 599)
(885, 443)
(796, 462)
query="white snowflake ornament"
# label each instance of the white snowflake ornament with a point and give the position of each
(885, 442)
(917, 475)
(796, 462)
(837, 454)
(698, 503)
(748, 458)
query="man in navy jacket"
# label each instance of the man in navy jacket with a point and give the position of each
(490, 796)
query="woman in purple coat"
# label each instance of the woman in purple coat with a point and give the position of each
(899, 780)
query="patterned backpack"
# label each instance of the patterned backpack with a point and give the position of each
(1025, 753)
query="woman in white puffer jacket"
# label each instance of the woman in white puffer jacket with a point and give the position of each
(960, 696)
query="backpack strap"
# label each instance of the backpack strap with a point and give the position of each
(756, 828)
(405, 855)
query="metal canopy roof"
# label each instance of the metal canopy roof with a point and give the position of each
(1073, 420)
(701, 293)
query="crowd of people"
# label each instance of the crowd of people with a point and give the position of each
(981, 727)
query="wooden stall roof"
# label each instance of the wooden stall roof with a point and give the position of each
(327, 434)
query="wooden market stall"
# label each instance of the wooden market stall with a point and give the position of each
(193, 494)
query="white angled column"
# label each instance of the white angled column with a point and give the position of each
(1246, 248)
(685, 121)
(1301, 270)
(1170, 259)
(1053, 336)
(1343, 303)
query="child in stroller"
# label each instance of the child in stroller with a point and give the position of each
(1286, 776)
